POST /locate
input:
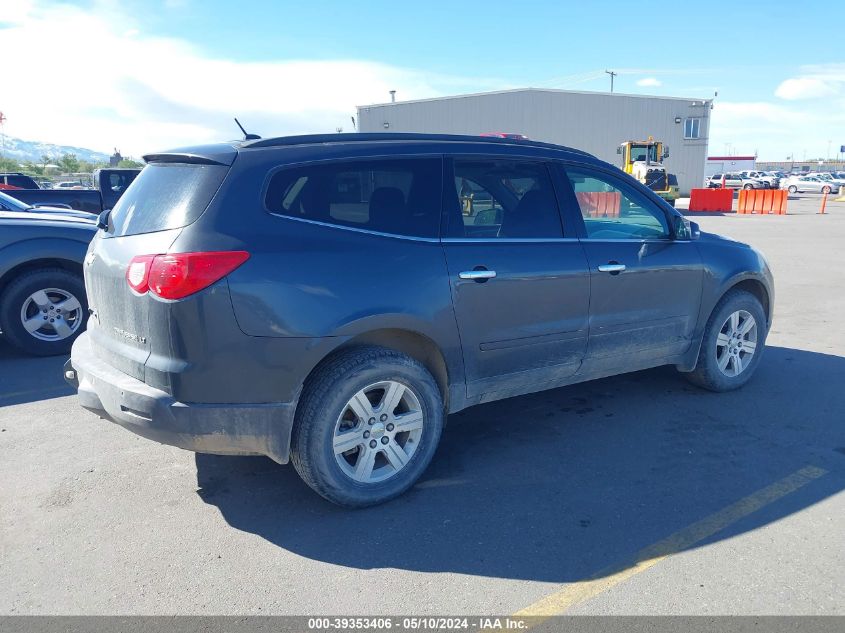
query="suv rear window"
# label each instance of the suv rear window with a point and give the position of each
(399, 196)
(166, 196)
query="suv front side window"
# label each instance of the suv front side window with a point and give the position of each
(501, 198)
(398, 196)
(612, 212)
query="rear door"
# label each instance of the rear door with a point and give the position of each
(520, 284)
(148, 218)
(645, 285)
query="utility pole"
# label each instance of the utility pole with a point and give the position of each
(612, 75)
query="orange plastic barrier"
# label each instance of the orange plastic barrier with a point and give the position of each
(762, 201)
(711, 200)
(599, 204)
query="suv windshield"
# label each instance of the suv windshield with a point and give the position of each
(166, 196)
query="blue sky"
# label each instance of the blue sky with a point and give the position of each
(171, 72)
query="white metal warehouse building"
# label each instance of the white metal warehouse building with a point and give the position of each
(596, 122)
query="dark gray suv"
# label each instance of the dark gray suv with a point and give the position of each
(328, 300)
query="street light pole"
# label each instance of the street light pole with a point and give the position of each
(612, 75)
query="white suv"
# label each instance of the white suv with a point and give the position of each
(734, 181)
(772, 182)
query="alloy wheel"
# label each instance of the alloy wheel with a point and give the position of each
(736, 343)
(378, 432)
(51, 314)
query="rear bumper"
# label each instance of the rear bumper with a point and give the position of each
(257, 429)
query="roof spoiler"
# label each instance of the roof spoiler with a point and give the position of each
(216, 154)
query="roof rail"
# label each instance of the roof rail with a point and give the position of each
(359, 137)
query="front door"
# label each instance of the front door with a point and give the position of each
(520, 285)
(645, 285)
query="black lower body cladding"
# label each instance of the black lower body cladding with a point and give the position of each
(260, 429)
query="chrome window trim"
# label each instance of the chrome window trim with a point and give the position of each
(344, 227)
(506, 240)
(650, 240)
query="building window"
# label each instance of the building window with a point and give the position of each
(692, 128)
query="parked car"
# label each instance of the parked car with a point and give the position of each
(813, 184)
(830, 178)
(109, 186)
(16, 180)
(734, 181)
(42, 295)
(769, 181)
(327, 300)
(8, 203)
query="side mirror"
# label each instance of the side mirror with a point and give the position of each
(686, 230)
(103, 220)
(665, 151)
(694, 231)
(619, 149)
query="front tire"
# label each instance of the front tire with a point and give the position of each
(367, 426)
(733, 343)
(747, 187)
(43, 311)
(792, 189)
(825, 189)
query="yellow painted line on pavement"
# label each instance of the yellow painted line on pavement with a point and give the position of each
(574, 593)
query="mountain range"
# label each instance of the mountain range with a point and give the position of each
(21, 150)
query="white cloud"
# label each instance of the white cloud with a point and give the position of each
(805, 88)
(649, 82)
(775, 130)
(815, 82)
(142, 93)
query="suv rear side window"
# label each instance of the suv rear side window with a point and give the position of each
(503, 199)
(399, 196)
(166, 196)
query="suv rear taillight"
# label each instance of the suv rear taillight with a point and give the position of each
(178, 275)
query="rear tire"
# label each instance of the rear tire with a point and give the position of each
(747, 187)
(825, 189)
(724, 362)
(60, 319)
(345, 406)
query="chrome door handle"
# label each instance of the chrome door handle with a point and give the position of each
(477, 275)
(611, 268)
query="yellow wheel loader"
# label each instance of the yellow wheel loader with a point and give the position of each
(644, 161)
